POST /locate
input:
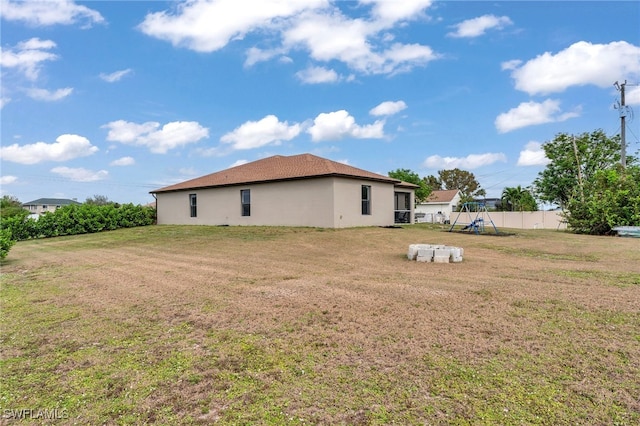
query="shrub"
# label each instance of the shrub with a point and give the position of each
(78, 219)
(6, 242)
(611, 198)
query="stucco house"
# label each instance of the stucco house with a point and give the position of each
(43, 205)
(438, 206)
(297, 190)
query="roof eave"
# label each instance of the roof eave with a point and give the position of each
(223, 185)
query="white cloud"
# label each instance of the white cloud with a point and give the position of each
(239, 163)
(6, 180)
(532, 113)
(255, 55)
(388, 108)
(43, 13)
(315, 26)
(510, 65)
(207, 26)
(316, 75)
(255, 134)
(340, 124)
(66, 147)
(124, 161)
(330, 37)
(580, 64)
(391, 11)
(28, 56)
(115, 76)
(158, 139)
(478, 26)
(533, 155)
(632, 96)
(49, 96)
(3, 101)
(80, 174)
(471, 161)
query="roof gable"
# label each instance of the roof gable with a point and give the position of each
(277, 168)
(445, 196)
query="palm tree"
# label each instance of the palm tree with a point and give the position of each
(511, 198)
(518, 199)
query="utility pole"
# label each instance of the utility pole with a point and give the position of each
(623, 115)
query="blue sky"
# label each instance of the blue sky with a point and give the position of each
(118, 98)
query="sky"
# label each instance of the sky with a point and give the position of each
(118, 98)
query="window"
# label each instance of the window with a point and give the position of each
(193, 204)
(366, 199)
(245, 201)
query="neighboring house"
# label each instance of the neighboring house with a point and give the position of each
(297, 190)
(438, 206)
(43, 205)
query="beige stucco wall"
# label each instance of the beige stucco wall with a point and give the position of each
(529, 220)
(515, 220)
(330, 202)
(348, 204)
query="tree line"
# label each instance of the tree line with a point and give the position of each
(583, 177)
(513, 199)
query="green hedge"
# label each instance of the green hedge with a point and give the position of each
(79, 219)
(6, 242)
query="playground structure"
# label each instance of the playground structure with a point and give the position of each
(477, 215)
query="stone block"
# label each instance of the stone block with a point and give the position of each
(412, 252)
(456, 255)
(437, 253)
(425, 255)
(441, 255)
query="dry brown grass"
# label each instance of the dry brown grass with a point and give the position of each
(284, 325)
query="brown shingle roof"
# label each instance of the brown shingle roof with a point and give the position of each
(441, 196)
(278, 168)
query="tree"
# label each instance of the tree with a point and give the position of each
(611, 198)
(99, 200)
(407, 175)
(518, 199)
(585, 179)
(10, 206)
(433, 183)
(462, 180)
(574, 160)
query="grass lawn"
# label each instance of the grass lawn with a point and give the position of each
(259, 325)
